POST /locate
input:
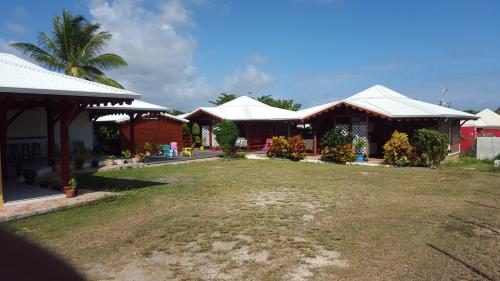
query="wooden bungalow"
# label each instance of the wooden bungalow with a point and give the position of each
(488, 124)
(130, 116)
(24, 87)
(152, 128)
(256, 121)
(375, 113)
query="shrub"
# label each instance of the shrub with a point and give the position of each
(358, 146)
(296, 148)
(278, 147)
(226, 134)
(148, 147)
(185, 129)
(337, 147)
(126, 153)
(431, 146)
(397, 150)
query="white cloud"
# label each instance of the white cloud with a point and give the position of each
(251, 80)
(159, 54)
(257, 59)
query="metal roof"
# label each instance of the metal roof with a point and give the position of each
(21, 76)
(122, 118)
(245, 108)
(488, 119)
(389, 103)
(136, 105)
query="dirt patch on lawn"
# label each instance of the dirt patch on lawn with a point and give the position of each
(323, 259)
(271, 198)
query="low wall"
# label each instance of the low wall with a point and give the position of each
(488, 147)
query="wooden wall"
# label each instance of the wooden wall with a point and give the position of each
(157, 130)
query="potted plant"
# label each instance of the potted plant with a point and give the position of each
(359, 145)
(79, 162)
(110, 161)
(71, 188)
(148, 148)
(127, 155)
(139, 157)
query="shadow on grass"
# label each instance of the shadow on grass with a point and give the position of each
(481, 204)
(464, 263)
(95, 182)
(488, 192)
(475, 224)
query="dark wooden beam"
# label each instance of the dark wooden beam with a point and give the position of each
(15, 116)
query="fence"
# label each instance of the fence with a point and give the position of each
(487, 147)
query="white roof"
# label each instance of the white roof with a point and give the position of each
(136, 105)
(246, 109)
(487, 119)
(122, 118)
(387, 102)
(20, 76)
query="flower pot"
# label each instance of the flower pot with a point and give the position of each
(70, 193)
(65, 189)
(148, 153)
(110, 163)
(360, 158)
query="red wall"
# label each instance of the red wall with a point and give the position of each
(468, 134)
(495, 132)
(158, 130)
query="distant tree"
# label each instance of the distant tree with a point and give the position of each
(74, 47)
(498, 110)
(223, 98)
(280, 103)
(175, 112)
(471, 111)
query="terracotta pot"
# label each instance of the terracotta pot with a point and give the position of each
(148, 153)
(70, 193)
(110, 163)
(65, 189)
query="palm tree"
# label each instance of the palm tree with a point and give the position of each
(75, 48)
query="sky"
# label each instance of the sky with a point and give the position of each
(181, 54)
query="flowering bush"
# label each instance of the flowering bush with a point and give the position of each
(341, 154)
(278, 147)
(397, 150)
(296, 148)
(337, 147)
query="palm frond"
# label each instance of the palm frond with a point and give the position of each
(39, 55)
(106, 81)
(95, 45)
(107, 61)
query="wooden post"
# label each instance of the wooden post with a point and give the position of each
(132, 134)
(367, 140)
(3, 143)
(247, 137)
(350, 121)
(209, 134)
(64, 132)
(50, 138)
(315, 139)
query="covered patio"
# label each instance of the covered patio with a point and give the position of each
(25, 86)
(375, 113)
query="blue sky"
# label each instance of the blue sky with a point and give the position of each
(183, 53)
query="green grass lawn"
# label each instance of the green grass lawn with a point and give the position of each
(281, 220)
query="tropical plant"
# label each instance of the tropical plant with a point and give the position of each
(75, 48)
(148, 147)
(337, 147)
(126, 154)
(109, 133)
(296, 148)
(223, 98)
(226, 133)
(359, 145)
(278, 147)
(431, 146)
(397, 150)
(185, 129)
(280, 103)
(72, 183)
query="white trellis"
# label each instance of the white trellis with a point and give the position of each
(359, 131)
(205, 135)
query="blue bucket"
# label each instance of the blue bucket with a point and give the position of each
(360, 158)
